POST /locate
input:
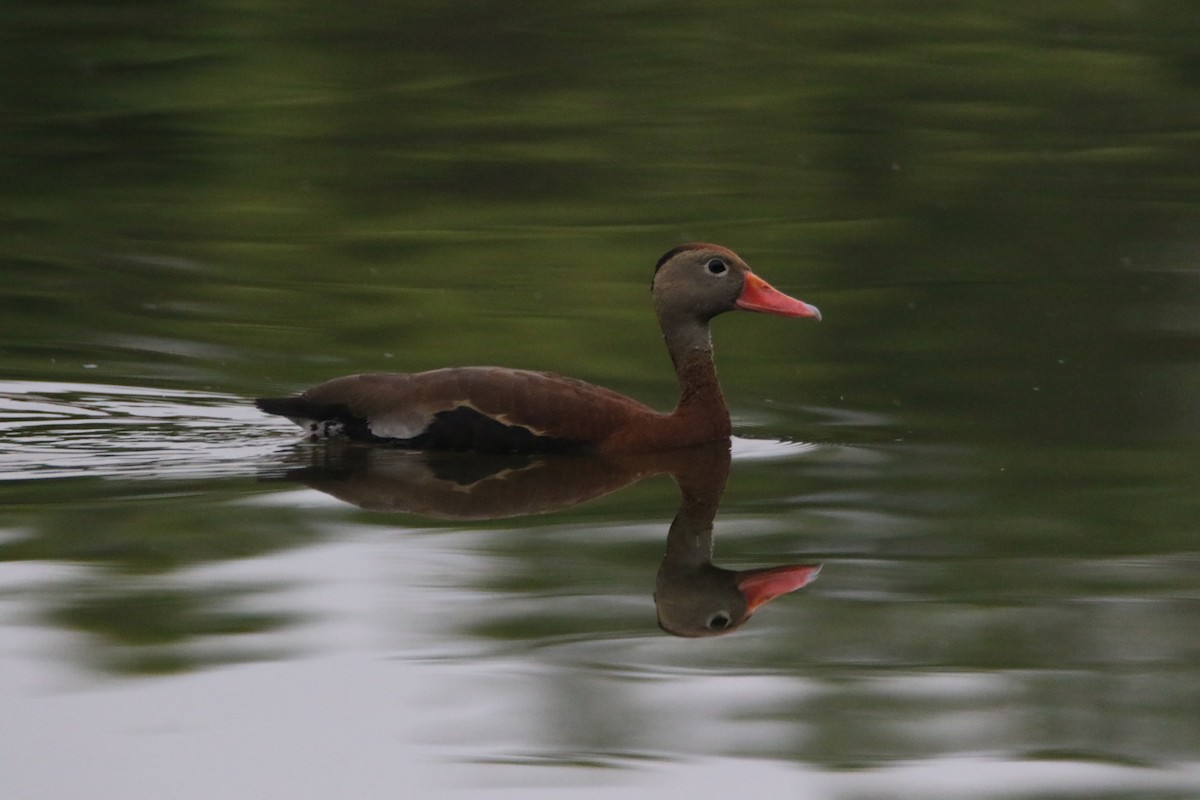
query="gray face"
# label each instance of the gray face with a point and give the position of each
(698, 281)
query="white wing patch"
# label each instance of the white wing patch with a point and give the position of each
(399, 424)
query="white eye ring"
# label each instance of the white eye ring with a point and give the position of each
(716, 267)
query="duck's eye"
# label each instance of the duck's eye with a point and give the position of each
(718, 622)
(716, 267)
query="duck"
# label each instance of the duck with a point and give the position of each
(497, 410)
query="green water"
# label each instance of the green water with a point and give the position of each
(989, 444)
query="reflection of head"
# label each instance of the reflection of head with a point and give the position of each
(705, 600)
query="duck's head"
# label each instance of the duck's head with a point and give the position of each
(701, 280)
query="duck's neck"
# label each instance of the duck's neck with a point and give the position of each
(701, 403)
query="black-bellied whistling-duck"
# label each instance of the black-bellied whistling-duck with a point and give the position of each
(492, 409)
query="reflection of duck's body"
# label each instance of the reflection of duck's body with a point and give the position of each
(693, 596)
(490, 409)
(468, 486)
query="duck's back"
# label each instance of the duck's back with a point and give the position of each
(484, 409)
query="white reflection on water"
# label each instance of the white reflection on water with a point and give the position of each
(370, 708)
(760, 449)
(64, 430)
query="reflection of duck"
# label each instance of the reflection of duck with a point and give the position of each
(490, 409)
(692, 595)
(465, 486)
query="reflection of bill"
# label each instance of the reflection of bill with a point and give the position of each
(693, 596)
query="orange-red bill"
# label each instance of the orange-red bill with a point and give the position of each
(758, 295)
(760, 585)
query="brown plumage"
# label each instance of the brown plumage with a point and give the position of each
(493, 409)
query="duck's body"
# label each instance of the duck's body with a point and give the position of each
(494, 409)
(488, 409)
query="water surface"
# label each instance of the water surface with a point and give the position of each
(989, 444)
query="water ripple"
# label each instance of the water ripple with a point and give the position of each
(59, 430)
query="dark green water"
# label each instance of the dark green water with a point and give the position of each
(991, 443)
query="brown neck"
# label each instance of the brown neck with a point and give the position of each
(701, 404)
